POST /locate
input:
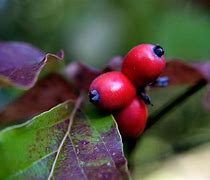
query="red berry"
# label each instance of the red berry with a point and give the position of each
(111, 90)
(143, 64)
(132, 119)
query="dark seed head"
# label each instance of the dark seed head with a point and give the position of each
(158, 50)
(147, 100)
(143, 95)
(94, 96)
(162, 81)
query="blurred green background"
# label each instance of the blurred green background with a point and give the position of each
(96, 30)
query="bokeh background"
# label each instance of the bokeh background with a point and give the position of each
(93, 31)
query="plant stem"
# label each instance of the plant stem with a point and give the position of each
(153, 118)
(176, 101)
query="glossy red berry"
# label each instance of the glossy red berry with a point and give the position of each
(143, 64)
(132, 119)
(111, 90)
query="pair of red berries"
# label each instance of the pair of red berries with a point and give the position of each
(116, 91)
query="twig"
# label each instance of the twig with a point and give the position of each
(153, 118)
(178, 100)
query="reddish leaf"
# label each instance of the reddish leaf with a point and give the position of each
(177, 71)
(114, 64)
(181, 73)
(204, 68)
(21, 63)
(47, 93)
(81, 74)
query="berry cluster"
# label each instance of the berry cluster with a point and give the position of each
(118, 91)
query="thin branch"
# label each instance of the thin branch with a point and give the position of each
(176, 101)
(156, 116)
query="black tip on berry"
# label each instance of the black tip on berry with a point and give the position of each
(158, 50)
(145, 97)
(94, 96)
(162, 81)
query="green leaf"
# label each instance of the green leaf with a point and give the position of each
(63, 143)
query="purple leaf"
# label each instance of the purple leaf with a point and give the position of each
(179, 72)
(21, 63)
(114, 64)
(40, 98)
(81, 74)
(204, 68)
(64, 143)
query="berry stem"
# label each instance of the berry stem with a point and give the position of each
(156, 116)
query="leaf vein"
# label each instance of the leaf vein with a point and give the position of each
(76, 107)
(81, 168)
(103, 143)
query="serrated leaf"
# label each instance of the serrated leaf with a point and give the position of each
(63, 143)
(21, 63)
